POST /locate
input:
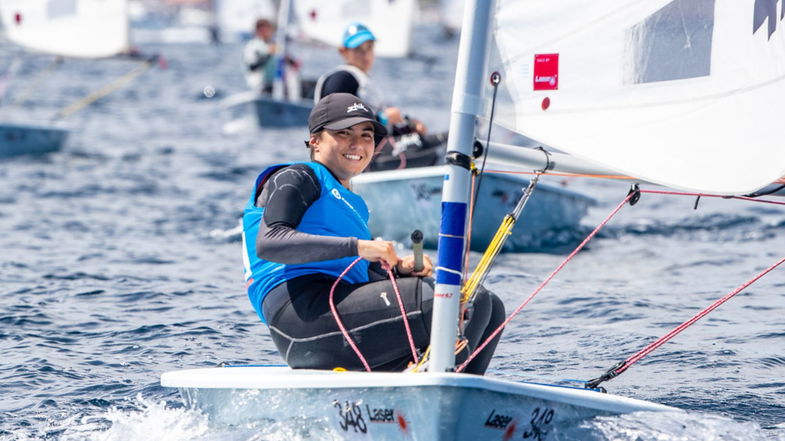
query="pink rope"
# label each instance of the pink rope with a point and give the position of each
(338, 318)
(542, 285)
(403, 312)
(345, 332)
(662, 340)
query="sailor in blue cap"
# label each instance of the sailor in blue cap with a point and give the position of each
(354, 77)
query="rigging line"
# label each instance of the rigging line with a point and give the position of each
(544, 282)
(495, 79)
(624, 365)
(497, 243)
(105, 90)
(743, 198)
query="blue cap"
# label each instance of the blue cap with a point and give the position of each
(356, 34)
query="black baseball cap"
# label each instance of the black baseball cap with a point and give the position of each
(341, 110)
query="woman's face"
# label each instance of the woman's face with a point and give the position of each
(346, 152)
(361, 56)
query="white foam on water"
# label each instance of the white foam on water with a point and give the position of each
(149, 421)
(667, 426)
(146, 420)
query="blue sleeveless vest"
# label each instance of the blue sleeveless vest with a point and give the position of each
(337, 212)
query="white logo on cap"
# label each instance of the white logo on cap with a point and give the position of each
(356, 106)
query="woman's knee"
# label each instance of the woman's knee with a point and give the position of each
(498, 311)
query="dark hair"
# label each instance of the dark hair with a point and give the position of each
(308, 143)
(263, 22)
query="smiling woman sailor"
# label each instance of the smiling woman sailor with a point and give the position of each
(303, 227)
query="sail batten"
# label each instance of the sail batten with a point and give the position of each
(683, 93)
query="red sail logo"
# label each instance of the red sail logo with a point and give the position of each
(546, 71)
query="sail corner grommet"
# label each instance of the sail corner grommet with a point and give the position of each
(495, 78)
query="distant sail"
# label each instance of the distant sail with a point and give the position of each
(389, 20)
(72, 28)
(685, 93)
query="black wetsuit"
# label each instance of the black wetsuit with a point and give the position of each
(301, 324)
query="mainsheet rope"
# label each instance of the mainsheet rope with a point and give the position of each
(345, 332)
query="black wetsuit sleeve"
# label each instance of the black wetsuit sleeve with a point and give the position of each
(286, 197)
(259, 63)
(342, 82)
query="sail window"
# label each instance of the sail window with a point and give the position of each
(674, 43)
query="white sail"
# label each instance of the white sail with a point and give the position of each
(72, 28)
(684, 93)
(389, 20)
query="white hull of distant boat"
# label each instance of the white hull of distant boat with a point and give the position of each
(403, 200)
(393, 406)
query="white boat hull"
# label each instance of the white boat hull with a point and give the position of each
(393, 406)
(403, 200)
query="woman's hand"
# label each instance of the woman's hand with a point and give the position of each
(418, 126)
(406, 267)
(378, 250)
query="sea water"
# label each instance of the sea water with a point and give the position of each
(116, 267)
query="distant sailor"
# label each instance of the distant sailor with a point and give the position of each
(354, 78)
(259, 57)
(303, 227)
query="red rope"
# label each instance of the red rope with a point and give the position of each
(545, 282)
(662, 340)
(345, 332)
(338, 318)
